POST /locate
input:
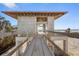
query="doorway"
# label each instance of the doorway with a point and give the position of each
(41, 28)
(41, 25)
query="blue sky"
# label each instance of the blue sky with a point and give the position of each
(69, 20)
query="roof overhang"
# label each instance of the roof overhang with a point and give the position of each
(14, 14)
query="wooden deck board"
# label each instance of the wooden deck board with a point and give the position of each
(37, 47)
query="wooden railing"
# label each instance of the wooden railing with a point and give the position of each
(17, 48)
(73, 35)
(7, 41)
(56, 49)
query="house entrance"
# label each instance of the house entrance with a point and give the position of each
(41, 25)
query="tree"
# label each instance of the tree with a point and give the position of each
(8, 26)
(1, 22)
(5, 25)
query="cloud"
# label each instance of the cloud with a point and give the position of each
(9, 5)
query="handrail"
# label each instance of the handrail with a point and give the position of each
(73, 35)
(62, 33)
(57, 46)
(16, 48)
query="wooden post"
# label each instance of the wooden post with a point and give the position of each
(18, 41)
(65, 45)
(18, 51)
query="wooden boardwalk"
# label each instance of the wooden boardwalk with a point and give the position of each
(38, 47)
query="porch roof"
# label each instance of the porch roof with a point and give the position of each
(14, 14)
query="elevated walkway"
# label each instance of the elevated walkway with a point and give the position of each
(38, 47)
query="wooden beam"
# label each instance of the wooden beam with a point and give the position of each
(55, 14)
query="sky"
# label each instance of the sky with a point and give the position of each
(69, 20)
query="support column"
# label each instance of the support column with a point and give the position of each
(50, 23)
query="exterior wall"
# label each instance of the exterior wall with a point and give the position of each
(50, 24)
(26, 24)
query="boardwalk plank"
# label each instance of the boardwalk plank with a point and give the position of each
(37, 47)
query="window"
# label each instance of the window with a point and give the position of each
(41, 19)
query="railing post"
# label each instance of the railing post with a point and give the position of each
(65, 45)
(52, 46)
(18, 41)
(18, 51)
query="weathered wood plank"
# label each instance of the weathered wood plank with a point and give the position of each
(37, 47)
